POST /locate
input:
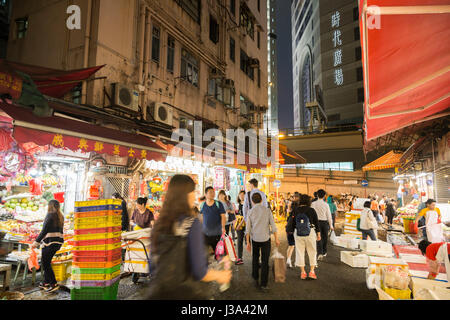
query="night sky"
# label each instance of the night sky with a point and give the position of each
(285, 94)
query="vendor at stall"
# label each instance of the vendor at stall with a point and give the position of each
(142, 217)
(433, 222)
(436, 253)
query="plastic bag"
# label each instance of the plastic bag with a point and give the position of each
(220, 248)
(333, 237)
(33, 261)
(279, 266)
(276, 254)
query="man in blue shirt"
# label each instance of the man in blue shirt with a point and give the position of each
(253, 187)
(213, 218)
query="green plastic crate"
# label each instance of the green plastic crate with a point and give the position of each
(95, 270)
(95, 293)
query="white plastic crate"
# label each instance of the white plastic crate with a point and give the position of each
(355, 259)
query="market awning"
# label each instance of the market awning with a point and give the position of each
(406, 60)
(50, 82)
(77, 135)
(389, 160)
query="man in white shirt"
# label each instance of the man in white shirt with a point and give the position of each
(325, 222)
(253, 188)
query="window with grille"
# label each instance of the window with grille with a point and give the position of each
(213, 29)
(189, 67)
(170, 54)
(156, 44)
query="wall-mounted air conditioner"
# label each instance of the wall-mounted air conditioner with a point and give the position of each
(161, 113)
(125, 97)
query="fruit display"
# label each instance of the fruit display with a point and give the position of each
(25, 207)
(409, 211)
(5, 216)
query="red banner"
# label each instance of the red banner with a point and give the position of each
(42, 138)
(11, 85)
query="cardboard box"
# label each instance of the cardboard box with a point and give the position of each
(440, 289)
(355, 259)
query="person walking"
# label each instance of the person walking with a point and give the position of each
(390, 212)
(178, 245)
(368, 223)
(253, 188)
(240, 227)
(375, 207)
(325, 222)
(306, 233)
(260, 224)
(290, 233)
(229, 213)
(142, 217)
(213, 218)
(52, 238)
(333, 208)
(125, 216)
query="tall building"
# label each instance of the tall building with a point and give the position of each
(171, 61)
(327, 59)
(271, 118)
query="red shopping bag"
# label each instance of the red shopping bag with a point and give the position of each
(229, 247)
(414, 227)
(220, 248)
(33, 261)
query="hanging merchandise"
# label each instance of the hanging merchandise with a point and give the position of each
(59, 196)
(12, 162)
(36, 187)
(6, 141)
(95, 190)
(132, 191)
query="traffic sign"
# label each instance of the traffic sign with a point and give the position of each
(277, 183)
(365, 183)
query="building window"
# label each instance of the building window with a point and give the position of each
(22, 27)
(232, 50)
(76, 94)
(189, 67)
(222, 91)
(259, 40)
(247, 21)
(360, 94)
(245, 65)
(170, 54)
(155, 44)
(259, 5)
(357, 34)
(191, 7)
(233, 7)
(213, 29)
(358, 53)
(355, 14)
(359, 74)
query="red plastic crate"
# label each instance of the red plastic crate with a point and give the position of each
(95, 242)
(103, 258)
(107, 254)
(98, 230)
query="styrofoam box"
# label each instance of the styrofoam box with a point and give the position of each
(375, 246)
(439, 288)
(341, 242)
(375, 262)
(139, 267)
(413, 258)
(132, 255)
(354, 259)
(353, 244)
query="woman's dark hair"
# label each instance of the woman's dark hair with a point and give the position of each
(175, 206)
(54, 207)
(239, 199)
(142, 201)
(305, 200)
(117, 196)
(223, 193)
(423, 245)
(367, 204)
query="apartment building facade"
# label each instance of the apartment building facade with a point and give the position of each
(171, 61)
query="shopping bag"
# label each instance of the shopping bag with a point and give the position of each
(358, 224)
(279, 266)
(220, 248)
(333, 237)
(239, 224)
(229, 248)
(33, 261)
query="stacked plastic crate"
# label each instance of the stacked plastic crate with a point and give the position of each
(97, 250)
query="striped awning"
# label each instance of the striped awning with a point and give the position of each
(389, 160)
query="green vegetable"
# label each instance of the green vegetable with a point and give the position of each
(48, 196)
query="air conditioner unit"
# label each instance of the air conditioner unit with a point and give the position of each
(161, 113)
(253, 63)
(126, 97)
(228, 83)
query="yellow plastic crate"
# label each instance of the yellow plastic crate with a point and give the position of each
(397, 294)
(62, 270)
(98, 203)
(102, 247)
(97, 236)
(95, 277)
(98, 222)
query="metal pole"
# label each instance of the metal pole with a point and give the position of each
(434, 170)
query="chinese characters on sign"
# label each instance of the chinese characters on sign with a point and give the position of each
(11, 85)
(337, 56)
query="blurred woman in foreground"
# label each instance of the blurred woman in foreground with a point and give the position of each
(179, 257)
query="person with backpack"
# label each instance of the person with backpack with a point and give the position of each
(325, 222)
(213, 217)
(179, 258)
(240, 227)
(306, 233)
(260, 225)
(253, 188)
(368, 223)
